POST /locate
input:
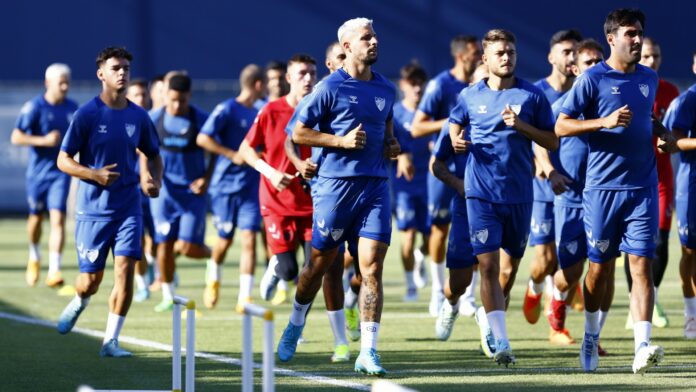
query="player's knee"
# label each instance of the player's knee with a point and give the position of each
(287, 266)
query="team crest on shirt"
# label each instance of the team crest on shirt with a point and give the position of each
(130, 129)
(602, 245)
(644, 89)
(482, 235)
(380, 102)
(572, 247)
(336, 234)
(516, 108)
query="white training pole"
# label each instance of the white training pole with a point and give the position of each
(176, 347)
(190, 347)
(247, 355)
(268, 356)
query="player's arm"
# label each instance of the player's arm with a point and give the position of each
(353, 140)
(684, 143)
(558, 181)
(667, 142)
(543, 138)
(440, 170)
(568, 126)
(103, 176)
(21, 138)
(200, 185)
(151, 171)
(392, 148)
(279, 179)
(211, 145)
(424, 125)
(306, 167)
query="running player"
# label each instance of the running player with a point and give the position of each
(620, 197)
(562, 58)
(234, 187)
(180, 210)
(353, 109)
(439, 98)
(106, 132)
(651, 56)
(681, 119)
(506, 114)
(411, 194)
(277, 85)
(41, 125)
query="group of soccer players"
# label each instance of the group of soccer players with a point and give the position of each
(570, 159)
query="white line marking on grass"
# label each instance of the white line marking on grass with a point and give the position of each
(213, 357)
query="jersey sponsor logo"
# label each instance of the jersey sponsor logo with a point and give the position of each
(644, 89)
(516, 108)
(130, 129)
(353, 98)
(572, 247)
(481, 235)
(380, 102)
(90, 255)
(102, 128)
(615, 90)
(482, 109)
(336, 234)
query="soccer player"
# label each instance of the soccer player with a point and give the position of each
(439, 98)
(411, 194)
(616, 99)
(234, 188)
(570, 162)
(41, 125)
(277, 85)
(157, 92)
(562, 58)
(179, 212)
(353, 109)
(681, 119)
(106, 133)
(505, 115)
(651, 56)
(138, 93)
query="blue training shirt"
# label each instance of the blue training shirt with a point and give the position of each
(103, 136)
(228, 124)
(337, 106)
(499, 168)
(682, 115)
(183, 160)
(570, 160)
(418, 147)
(542, 188)
(38, 118)
(623, 157)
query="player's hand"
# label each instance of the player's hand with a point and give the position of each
(307, 169)
(392, 149)
(104, 176)
(150, 187)
(667, 143)
(199, 186)
(52, 139)
(459, 144)
(280, 180)
(559, 182)
(510, 118)
(404, 167)
(620, 117)
(355, 139)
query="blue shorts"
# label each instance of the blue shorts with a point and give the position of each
(439, 201)
(236, 210)
(620, 220)
(148, 222)
(411, 211)
(95, 238)
(686, 218)
(494, 226)
(571, 241)
(49, 194)
(541, 228)
(460, 254)
(178, 214)
(345, 208)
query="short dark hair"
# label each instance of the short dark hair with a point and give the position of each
(459, 43)
(139, 82)
(496, 35)
(301, 58)
(651, 41)
(623, 17)
(156, 78)
(565, 35)
(413, 72)
(113, 51)
(276, 65)
(329, 48)
(180, 83)
(590, 44)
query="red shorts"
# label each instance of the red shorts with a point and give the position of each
(665, 189)
(283, 233)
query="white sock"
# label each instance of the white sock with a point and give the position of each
(350, 299)
(54, 261)
(140, 281)
(82, 302)
(655, 294)
(150, 259)
(337, 319)
(641, 333)
(299, 313)
(246, 283)
(452, 308)
(283, 285)
(418, 256)
(690, 307)
(368, 335)
(113, 327)
(470, 293)
(410, 284)
(167, 291)
(496, 320)
(548, 284)
(34, 252)
(214, 271)
(559, 295)
(592, 322)
(437, 272)
(536, 288)
(602, 318)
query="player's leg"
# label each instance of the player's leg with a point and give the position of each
(439, 200)
(666, 208)
(167, 266)
(224, 207)
(544, 261)
(687, 273)
(334, 299)
(406, 224)
(352, 292)
(249, 223)
(57, 203)
(146, 273)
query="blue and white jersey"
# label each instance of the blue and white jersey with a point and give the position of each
(570, 160)
(418, 147)
(444, 152)
(38, 118)
(316, 151)
(104, 136)
(542, 188)
(183, 160)
(499, 168)
(682, 115)
(338, 106)
(623, 157)
(228, 124)
(441, 95)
